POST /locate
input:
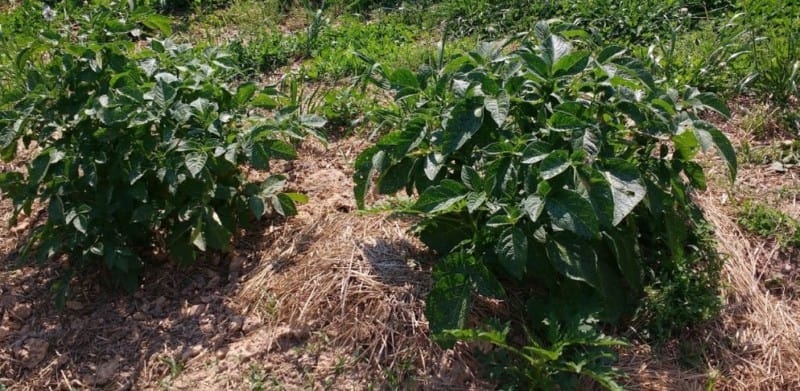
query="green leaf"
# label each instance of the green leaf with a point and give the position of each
(284, 205)
(257, 206)
(569, 211)
(244, 93)
(536, 152)
(623, 244)
(450, 297)
(404, 78)
(574, 259)
(278, 149)
(533, 206)
(159, 23)
(554, 164)
(364, 166)
(143, 213)
(80, 222)
(571, 64)
(695, 174)
(686, 146)
(627, 187)
(259, 156)
(197, 236)
(195, 162)
(709, 136)
(471, 178)
(441, 197)
(512, 250)
(553, 49)
(396, 177)
(465, 120)
(713, 102)
(216, 235)
(498, 107)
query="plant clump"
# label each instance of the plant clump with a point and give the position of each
(553, 174)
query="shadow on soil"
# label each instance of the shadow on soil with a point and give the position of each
(107, 339)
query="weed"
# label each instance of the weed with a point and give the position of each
(768, 222)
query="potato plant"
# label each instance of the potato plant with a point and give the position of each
(542, 167)
(139, 151)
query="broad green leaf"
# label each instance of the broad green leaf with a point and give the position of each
(686, 145)
(159, 23)
(569, 211)
(574, 259)
(217, 236)
(80, 222)
(244, 93)
(623, 245)
(627, 187)
(713, 102)
(471, 179)
(440, 197)
(533, 206)
(55, 210)
(448, 302)
(554, 164)
(195, 162)
(396, 177)
(465, 120)
(259, 156)
(284, 205)
(312, 121)
(364, 166)
(553, 49)
(143, 213)
(571, 64)
(197, 236)
(512, 250)
(498, 107)
(536, 152)
(404, 78)
(433, 164)
(257, 206)
(695, 174)
(709, 136)
(278, 149)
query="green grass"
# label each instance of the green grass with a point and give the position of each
(769, 223)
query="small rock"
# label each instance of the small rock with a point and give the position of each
(22, 311)
(221, 353)
(195, 310)
(73, 305)
(250, 324)
(139, 316)
(190, 352)
(235, 324)
(105, 372)
(33, 352)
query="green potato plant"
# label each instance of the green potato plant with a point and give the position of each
(140, 151)
(547, 169)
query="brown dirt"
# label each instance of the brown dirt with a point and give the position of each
(327, 299)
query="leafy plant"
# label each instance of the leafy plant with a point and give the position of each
(545, 169)
(768, 222)
(139, 153)
(570, 349)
